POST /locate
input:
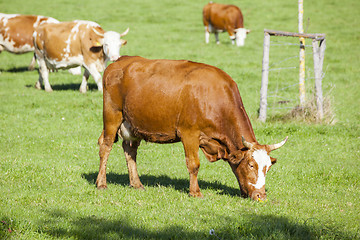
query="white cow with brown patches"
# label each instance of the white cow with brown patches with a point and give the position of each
(16, 32)
(79, 43)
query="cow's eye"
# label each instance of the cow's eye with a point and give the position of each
(251, 166)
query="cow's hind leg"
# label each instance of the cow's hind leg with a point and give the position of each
(217, 37)
(83, 86)
(32, 63)
(106, 141)
(43, 76)
(130, 150)
(191, 143)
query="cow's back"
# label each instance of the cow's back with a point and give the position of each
(17, 31)
(222, 16)
(161, 97)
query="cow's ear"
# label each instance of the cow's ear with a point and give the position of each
(97, 42)
(96, 37)
(212, 149)
(273, 160)
(235, 158)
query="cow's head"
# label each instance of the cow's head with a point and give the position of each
(250, 166)
(240, 36)
(110, 42)
(113, 43)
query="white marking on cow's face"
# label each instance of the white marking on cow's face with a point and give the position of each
(240, 36)
(263, 161)
(112, 45)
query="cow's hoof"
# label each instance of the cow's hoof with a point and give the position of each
(196, 194)
(138, 187)
(38, 85)
(102, 187)
(48, 90)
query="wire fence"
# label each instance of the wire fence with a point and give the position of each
(278, 100)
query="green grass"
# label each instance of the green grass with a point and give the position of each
(48, 141)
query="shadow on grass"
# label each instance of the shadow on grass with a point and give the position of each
(16, 70)
(68, 86)
(163, 180)
(127, 227)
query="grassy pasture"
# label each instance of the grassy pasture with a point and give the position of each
(48, 141)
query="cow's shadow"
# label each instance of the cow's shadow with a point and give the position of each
(73, 87)
(68, 87)
(16, 70)
(181, 185)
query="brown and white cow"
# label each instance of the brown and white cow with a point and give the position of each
(167, 101)
(16, 33)
(219, 18)
(79, 43)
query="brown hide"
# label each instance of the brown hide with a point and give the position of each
(167, 101)
(160, 98)
(19, 29)
(223, 17)
(52, 41)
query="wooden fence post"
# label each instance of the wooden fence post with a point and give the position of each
(264, 78)
(318, 55)
(302, 56)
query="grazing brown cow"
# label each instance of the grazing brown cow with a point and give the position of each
(79, 43)
(219, 18)
(16, 33)
(167, 101)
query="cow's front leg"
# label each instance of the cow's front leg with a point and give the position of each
(231, 35)
(130, 150)
(191, 147)
(96, 75)
(83, 86)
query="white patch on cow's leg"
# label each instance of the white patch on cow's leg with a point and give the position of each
(44, 72)
(207, 35)
(263, 161)
(232, 40)
(95, 74)
(83, 86)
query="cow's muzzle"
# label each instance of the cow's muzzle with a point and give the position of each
(114, 58)
(258, 196)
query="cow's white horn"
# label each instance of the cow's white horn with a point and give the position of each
(277, 145)
(246, 143)
(100, 34)
(124, 33)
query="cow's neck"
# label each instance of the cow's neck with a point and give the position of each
(242, 128)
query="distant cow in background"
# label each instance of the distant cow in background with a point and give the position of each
(219, 18)
(79, 43)
(16, 33)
